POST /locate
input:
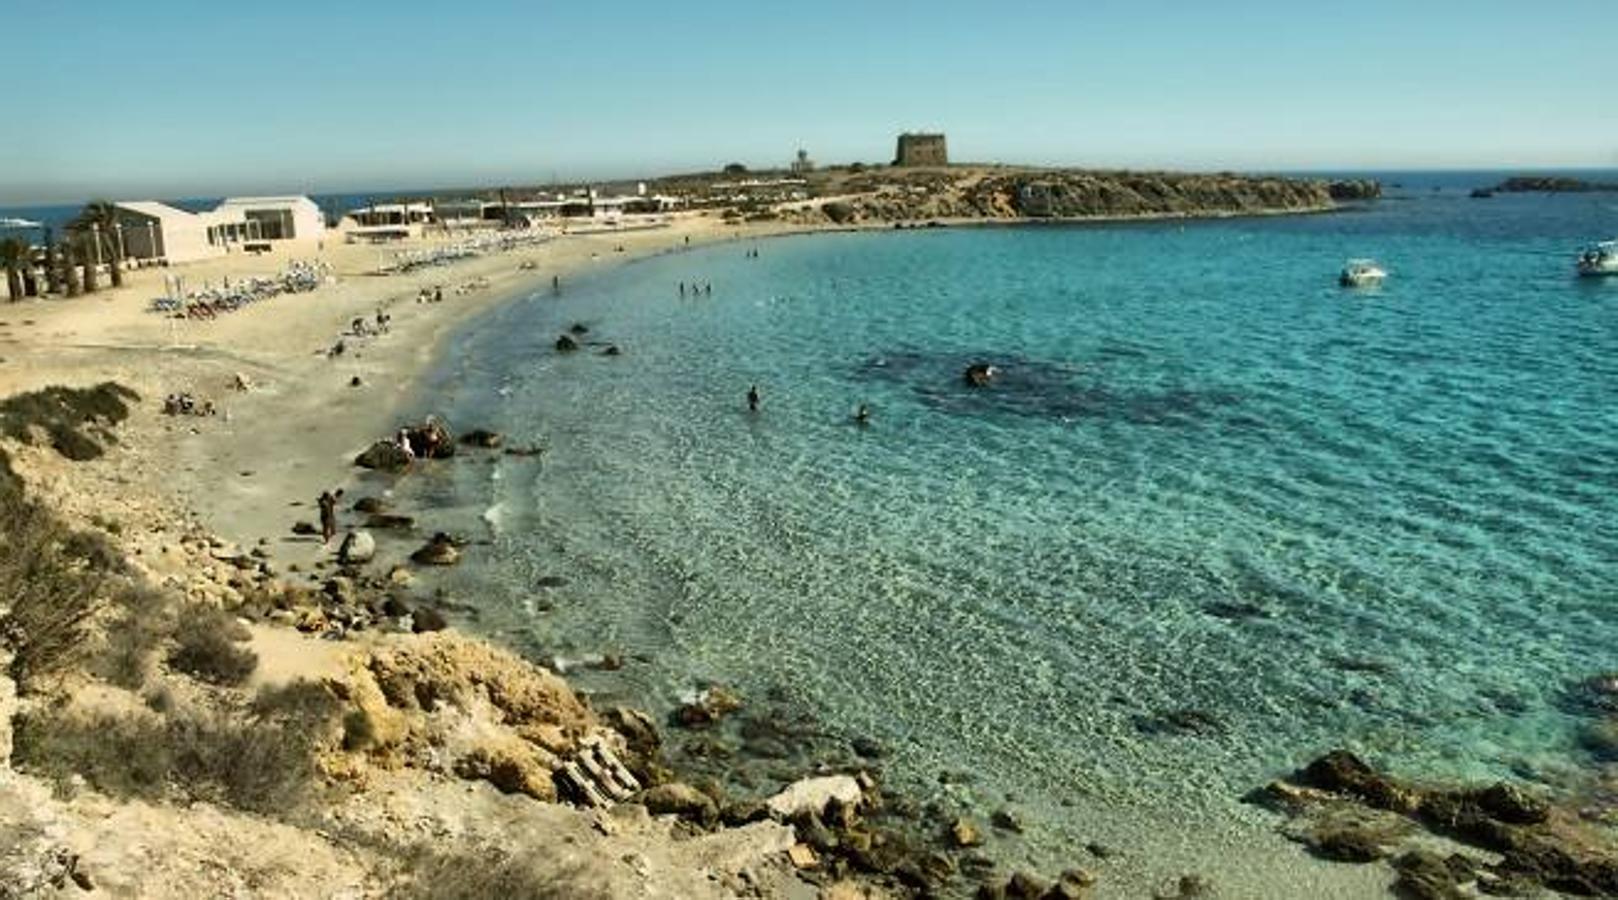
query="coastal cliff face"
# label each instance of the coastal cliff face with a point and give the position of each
(997, 194)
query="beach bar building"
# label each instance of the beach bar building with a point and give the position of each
(273, 218)
(154, 231)
(150, 231)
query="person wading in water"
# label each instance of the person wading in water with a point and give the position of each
(752, 399)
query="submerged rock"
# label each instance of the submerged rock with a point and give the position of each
(710, 706)
(979, 374)
(482, 437)
(370, 505)
(566, 344)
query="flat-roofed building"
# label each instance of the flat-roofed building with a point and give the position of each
(149, 230)
(274, 218)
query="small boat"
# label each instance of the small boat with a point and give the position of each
(7, 222)
(1599, 259)
(1361, 273)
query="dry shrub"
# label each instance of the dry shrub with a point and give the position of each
(483, 872)
(207, 650)
(132, 637)
(51, 585)
(65, 415)
(258, 758)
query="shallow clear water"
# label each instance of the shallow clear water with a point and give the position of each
(1208, 480)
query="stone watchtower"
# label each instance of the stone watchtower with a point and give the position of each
(921, 150)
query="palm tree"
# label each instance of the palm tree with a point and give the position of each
(70, 268)
(15, 253)
(100, 220)
(87, 255)
(53, 266)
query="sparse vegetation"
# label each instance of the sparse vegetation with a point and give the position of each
(133, 636)
(49, 590)
(206, 648)
(260, 758)
(76, 421)
(494, 872)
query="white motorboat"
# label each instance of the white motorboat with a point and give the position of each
(8, 222)
(1361, 273)
(1599, 259)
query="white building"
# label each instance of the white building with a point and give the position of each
(274, 218)
(149, 230)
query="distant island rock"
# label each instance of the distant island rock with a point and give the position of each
(1523, 184)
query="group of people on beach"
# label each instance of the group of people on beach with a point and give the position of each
(698, 290)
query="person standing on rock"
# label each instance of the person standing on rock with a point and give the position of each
(752, 399)
(328, 515)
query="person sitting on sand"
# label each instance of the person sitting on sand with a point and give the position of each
(752, 399)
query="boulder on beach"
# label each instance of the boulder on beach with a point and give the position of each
(440, 550)
(357, 547)
(390, 522)
(370, 505)
(384, 456)
(681, 800)
(811, 795)
(566, 344)
(426, 618)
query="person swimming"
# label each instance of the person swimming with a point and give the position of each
(862, 416)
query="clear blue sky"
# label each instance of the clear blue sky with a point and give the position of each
(178, 98)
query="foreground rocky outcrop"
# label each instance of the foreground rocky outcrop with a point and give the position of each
(1344, 809)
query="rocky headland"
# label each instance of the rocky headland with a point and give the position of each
(1000, 194)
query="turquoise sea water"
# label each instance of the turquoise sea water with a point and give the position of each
(1211, 487)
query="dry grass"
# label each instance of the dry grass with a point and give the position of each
(52, 583)
(207, 649)
(480, 873)
(132, 637)
(260, 758)
(76, 421)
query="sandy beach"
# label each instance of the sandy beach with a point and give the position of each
(294, 432)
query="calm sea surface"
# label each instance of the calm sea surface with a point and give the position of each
(1218, 515)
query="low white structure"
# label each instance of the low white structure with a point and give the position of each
(274, 218)
(149, 230)
(153, 231)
